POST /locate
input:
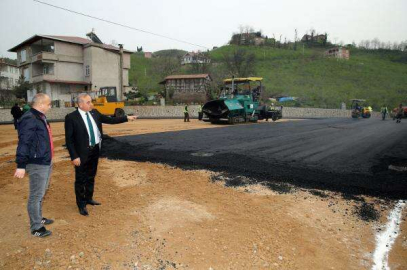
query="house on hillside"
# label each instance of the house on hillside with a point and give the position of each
(64, 66)
(316, 38)
(248, 38)
(338, 52)
(148, 55)
(9, 75)
(187, 88)
(195, 58)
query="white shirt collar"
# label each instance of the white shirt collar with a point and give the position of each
(82, 112)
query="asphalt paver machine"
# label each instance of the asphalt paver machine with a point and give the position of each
(239, 102)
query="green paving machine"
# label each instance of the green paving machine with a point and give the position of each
(239, 102)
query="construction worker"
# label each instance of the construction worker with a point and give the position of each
(384, 111)
(400, 113)
(186, 114)
(200, 113)
(26, 108)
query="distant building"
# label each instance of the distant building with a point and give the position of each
(259, 41)
(248, 38)
(64, 66)
(148, 55)
(316, 38)
(195, 58)
(187, 88)
(9, 75)
(338, 52)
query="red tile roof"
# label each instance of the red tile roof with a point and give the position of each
(78, 40)
(193, 76)
(180, 77)
(69, 39)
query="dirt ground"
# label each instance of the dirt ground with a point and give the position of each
(158, 217)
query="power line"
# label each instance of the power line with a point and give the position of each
(119, 24)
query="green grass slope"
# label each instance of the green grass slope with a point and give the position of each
(378, 76)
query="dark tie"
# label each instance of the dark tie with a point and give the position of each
(92, 134)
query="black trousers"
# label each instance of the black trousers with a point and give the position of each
(15, 123)
(186, 117)
(85, 177)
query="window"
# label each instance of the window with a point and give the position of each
(23, 56)
(45, 69)
(26, 75)
(87, 70)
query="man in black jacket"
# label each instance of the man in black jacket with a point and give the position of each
(34, 155)
(16, 113)
(83, 136)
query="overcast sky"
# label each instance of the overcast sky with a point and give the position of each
(207, 23)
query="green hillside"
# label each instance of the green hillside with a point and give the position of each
(380, 76)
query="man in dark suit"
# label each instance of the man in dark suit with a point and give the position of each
(83, 136)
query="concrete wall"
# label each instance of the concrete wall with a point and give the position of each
(178, 112)
(66, 71)
(68, 49)
(104, 68)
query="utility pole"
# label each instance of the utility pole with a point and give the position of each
(121, 94)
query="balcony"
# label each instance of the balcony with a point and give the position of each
(44, 57)
(42, 77)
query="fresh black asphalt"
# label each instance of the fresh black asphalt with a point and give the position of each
(345, 155)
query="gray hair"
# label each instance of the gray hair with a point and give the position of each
(39, 99)
(80, 97)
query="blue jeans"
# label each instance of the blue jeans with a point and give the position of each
(39, 182)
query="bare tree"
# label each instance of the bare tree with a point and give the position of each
(295, 40)
(312, 32)
(375, 43)
(165, 66)
(240, 63)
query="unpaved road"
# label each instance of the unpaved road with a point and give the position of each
(156, 216)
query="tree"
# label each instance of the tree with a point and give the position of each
(295, 40)
(20, 91)
(239, 63)
(325, 40)
(165, 66)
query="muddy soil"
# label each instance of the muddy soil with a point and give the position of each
(157, 216)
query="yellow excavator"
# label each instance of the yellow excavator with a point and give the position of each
(105, 101)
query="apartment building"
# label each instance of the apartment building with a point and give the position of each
(64, 66)
(9, 75)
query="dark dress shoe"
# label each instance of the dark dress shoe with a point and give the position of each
(93, 202)
(83, 211)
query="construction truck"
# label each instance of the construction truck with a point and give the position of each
(360, 109)
(239, 102)
(105, 101)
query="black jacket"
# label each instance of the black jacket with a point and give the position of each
(16, 112)
(76, 134)
(33, 140)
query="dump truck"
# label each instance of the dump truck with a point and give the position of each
(239, 102)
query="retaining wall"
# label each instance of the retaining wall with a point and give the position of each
(178, 112)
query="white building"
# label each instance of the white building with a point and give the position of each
(195, 58)
(9, 75)
(63, 66)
